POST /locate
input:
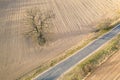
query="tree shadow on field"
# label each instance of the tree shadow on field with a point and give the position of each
(66, 35)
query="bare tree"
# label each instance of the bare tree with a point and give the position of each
(39, 20)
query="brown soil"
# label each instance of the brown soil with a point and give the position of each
(110, 70)
(74, 19)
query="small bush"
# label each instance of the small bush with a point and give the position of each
(105, 25)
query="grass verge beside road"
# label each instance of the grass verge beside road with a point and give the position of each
(92, 62)
(98, 32)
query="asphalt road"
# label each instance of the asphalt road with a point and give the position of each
(56, 71)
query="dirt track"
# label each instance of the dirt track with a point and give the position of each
(19, 55)
(110, 70)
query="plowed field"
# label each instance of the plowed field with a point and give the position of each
(74, 19)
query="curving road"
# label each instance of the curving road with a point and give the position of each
(56, 71)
